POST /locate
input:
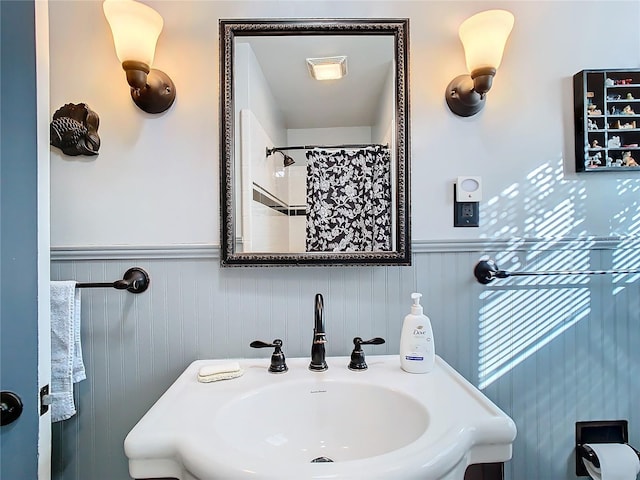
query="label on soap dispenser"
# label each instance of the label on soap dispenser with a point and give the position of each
(414, 357)
(418, 347)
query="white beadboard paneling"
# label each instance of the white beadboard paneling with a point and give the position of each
(136, 345)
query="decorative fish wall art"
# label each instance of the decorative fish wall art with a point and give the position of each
(74, 130)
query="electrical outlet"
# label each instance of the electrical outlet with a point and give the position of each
(465, 214)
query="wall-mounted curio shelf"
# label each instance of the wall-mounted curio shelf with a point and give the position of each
(607, 120)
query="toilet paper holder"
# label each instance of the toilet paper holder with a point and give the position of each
(601, 431)
(586, 452)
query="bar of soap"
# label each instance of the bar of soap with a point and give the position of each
(219, 371)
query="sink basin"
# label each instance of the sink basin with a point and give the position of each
(300, 421)
(381, 423)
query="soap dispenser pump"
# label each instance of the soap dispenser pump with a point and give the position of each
(417, 350)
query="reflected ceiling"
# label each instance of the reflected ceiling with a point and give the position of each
(283, 63)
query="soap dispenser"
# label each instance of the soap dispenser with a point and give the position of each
(417, 350)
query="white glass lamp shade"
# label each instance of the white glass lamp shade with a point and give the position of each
(484, 37)
(135, 28)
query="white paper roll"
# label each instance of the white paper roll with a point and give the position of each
(617, 462)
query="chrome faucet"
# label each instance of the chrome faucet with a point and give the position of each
(318, 363)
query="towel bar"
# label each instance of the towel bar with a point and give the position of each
(134, 280)
(486, 270)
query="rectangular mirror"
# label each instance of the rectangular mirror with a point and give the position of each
(314, 171)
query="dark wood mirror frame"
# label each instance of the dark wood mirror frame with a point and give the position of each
(229, 30)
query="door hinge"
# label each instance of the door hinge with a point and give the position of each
(45, 399)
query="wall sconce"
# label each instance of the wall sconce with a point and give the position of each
(483, 37)
(136, 28)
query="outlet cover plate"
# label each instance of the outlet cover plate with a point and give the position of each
(465, 214)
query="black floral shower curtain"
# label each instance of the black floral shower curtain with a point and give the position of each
(349, 200)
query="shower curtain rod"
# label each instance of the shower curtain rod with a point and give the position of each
(487, 270)
(310, 147)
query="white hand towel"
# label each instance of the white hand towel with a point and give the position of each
(67, 366)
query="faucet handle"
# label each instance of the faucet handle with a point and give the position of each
(278, 364)
(357, 356)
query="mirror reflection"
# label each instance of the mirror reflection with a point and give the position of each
(314, 147)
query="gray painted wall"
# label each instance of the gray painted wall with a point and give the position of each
(19, 237)
(551, 350)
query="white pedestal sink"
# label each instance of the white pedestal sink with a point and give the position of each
(381, 423)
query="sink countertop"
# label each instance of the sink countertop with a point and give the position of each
(178, 437)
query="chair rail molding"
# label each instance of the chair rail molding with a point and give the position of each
(212, 251)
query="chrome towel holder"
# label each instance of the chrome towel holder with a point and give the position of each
(486, 271)
(134, 280)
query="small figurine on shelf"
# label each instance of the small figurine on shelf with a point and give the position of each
(628, 110)
(592, 110)
(591, 125)
(608, 82)
(630, 96)
(595, 144)
(594, 160)
(614, 111)
(609, 161)
(614, 142)
(616, 163)
(627, 125)
(613, 98)
(627, 160)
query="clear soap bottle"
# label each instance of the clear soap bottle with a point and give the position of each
(417, 349)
